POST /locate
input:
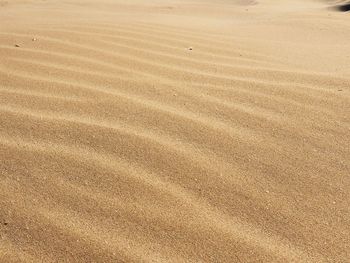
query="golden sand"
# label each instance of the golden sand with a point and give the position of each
(174, 131)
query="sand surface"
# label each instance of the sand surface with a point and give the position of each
(174, 131)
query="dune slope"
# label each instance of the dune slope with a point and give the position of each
(174, 131)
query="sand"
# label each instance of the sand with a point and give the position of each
(174, 131)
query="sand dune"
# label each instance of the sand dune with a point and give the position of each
(174, 131)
